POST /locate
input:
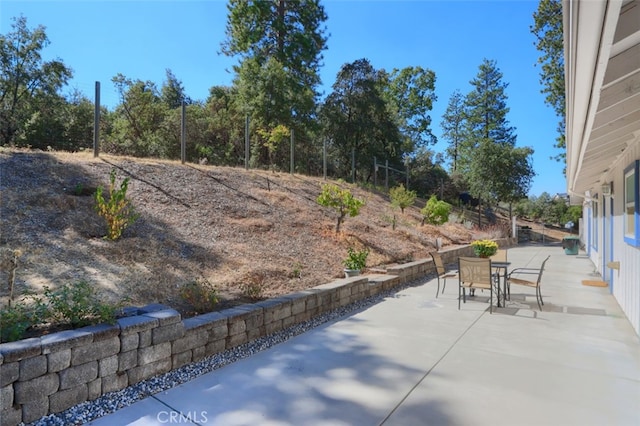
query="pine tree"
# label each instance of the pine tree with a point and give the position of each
(279, 45)
(495, 170)
(453, 121)
(547, 27)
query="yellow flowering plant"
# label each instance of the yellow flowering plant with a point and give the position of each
(484, 248)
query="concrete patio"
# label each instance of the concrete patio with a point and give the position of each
(417, 360)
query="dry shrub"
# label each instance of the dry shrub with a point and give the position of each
(200, 294)
(253, 285)
(494, 231)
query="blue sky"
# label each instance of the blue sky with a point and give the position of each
(141, 39)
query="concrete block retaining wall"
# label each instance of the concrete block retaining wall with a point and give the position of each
(49, 374)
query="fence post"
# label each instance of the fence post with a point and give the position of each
(386, 175)
(375, 173)
(324, 159)
(246, 142)
(96, 122)
(292, 153)
(353, 165)
(183, 133)
(407, 171)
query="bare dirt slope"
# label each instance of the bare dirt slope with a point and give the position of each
(228, 226)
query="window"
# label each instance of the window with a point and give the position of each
(594, 222)
(631, 205)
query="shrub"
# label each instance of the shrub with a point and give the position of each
(78, 305)
(117, 211)
(273, 139)
(341, 200)
(16, 319)
(253, 287)
(297, 270)
(200, 294)
(401, 197)
(356, 260)
(436, 212)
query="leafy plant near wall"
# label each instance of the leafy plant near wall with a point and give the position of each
(200, 294)
(356, 259)
(17, 318)
(117, 209)
(76, 305)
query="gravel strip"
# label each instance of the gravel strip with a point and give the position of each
(113, 401)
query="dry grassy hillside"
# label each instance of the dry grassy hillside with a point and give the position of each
(228, 226)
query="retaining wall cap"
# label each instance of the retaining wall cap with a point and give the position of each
(351, 280)
(102, 331)
(248, 308)
(65, 339)
(195, 323)
(130, 311)
(15, 351)
(330, 286)
(165, 316)
(211, 317)
(299, 295)
(270, 303)
(153, 307)
(375, 279)
(241, 311)
(137, 323)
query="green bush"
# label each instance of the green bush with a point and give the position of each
(117, 210)
(401, 197)
(77, 304)
(16, 319)
(74, 304)
(356, 259)
(436, 212)
(341, 200)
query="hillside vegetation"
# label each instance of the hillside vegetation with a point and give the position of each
(245, 232)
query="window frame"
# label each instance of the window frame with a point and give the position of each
(594, 221)
(632, 171)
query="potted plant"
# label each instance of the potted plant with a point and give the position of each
(484, 248)
(356, 261)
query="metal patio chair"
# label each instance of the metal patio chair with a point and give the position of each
(475, 273)
(441, 271)
(529, 283)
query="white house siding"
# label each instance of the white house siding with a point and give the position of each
(602, 76)
(626, 285)
(625, 282)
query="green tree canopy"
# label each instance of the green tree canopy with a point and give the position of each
(279, 45)
(356, 119)
(138, 118)
(547, 28)
(172, 92)
(493, 168)
(26, 80)
(410, 93)
(453, 122)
